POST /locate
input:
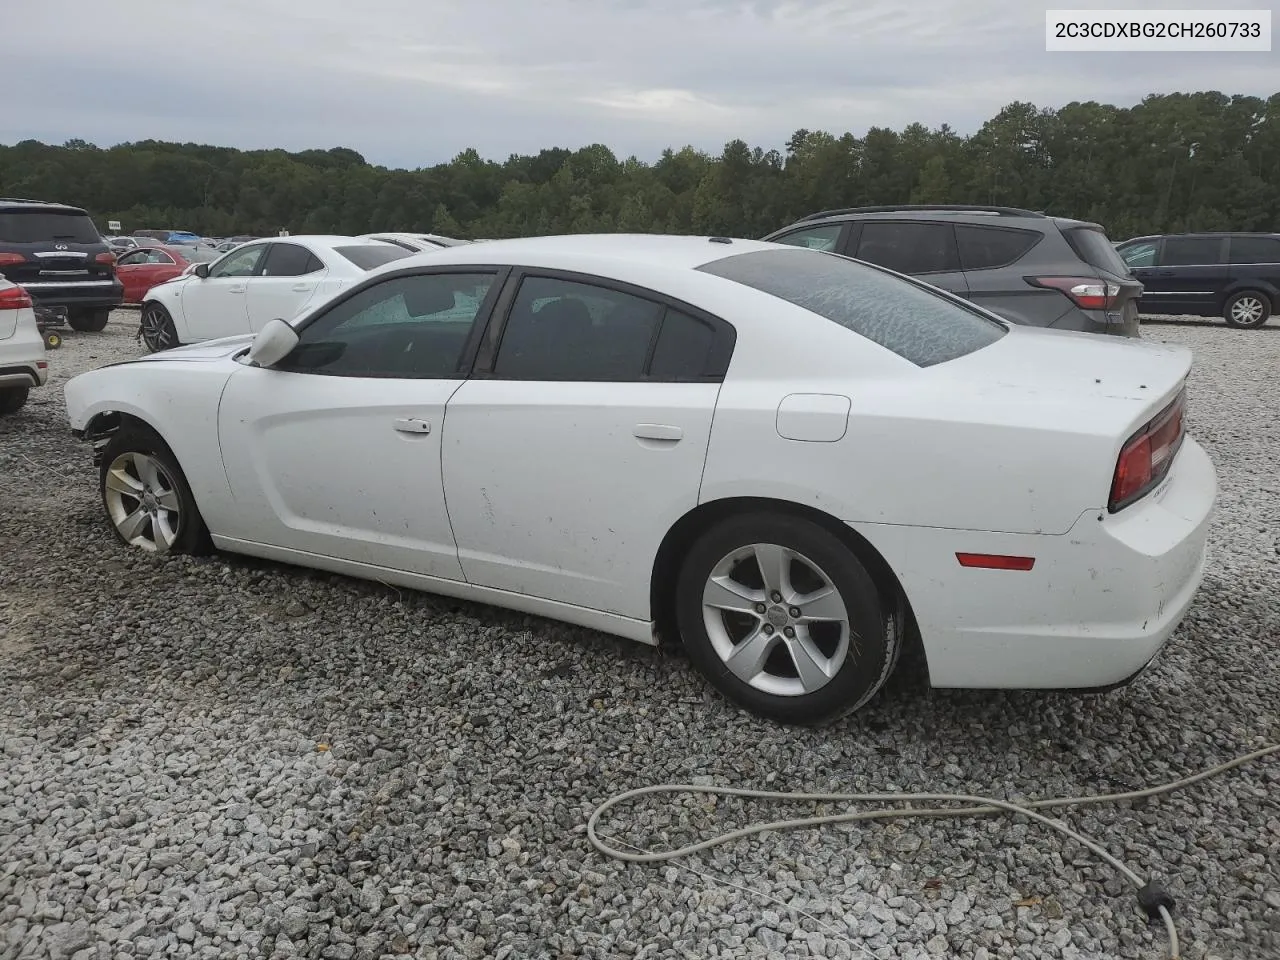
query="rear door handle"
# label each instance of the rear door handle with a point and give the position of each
(658, 431)
(410, 425)
(301, 287)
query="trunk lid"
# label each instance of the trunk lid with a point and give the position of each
(1032, 364)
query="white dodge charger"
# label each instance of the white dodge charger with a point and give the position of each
(793, 462)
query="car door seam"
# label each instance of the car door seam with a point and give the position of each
(444, 482)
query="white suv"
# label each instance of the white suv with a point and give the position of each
(22, 362)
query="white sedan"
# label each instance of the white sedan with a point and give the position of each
(794, 462)
(256, 282)
(22, 362)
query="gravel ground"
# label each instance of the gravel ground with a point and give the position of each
(227, 758)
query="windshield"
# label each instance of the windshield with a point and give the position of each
(18, 226)
(904, 316)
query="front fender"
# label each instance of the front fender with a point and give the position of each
(179, 401)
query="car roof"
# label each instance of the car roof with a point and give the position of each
(661, 250)
(17, 203)
(1216, 234)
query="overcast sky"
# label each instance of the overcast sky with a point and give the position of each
(412, 82)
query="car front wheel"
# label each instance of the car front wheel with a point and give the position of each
(782, 618)
(158, 331)
(146, 497)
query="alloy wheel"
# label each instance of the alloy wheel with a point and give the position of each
(142, 502)
(1247, 311)
(776, 620)
(155, 329)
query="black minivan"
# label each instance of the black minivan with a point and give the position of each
(1235, 276)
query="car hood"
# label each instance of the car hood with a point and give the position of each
(1039, 363)
(205, 351)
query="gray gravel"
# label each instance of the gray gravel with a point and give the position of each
(227, 758)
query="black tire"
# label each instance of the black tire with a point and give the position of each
(158, 331)
(1247, 309)
(190, 535)
(12, 399)
(88, 321)
(875, 632)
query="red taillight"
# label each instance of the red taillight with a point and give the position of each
(9, 258)
(105, 258)
(995, 561)
(14, 298)
(1087, 293)
(1146, 458)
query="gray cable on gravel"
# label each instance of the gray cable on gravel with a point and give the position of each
(984, 806)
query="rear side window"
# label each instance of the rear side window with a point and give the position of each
(1191, 251)
(17, 226)
(290, 260)
(984, 248)
(1093, 247)
(909, 247)
(909, 319)
(373, 255)
(683, 350)
(1254, 250)
(815, 238)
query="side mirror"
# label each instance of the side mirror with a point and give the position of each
(202, 270)
(273, 343)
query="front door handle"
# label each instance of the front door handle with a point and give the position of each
(410, 425)
(658, 431)
(239, 289)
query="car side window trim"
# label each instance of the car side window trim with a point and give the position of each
(725, 335)
(478, 322)
(484, 313)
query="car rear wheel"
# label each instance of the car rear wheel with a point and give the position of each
(782, 618)
(88, 321)
(158, 331)
(146, 496)
(12, 399)
(1248, 308)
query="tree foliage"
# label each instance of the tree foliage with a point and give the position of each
(1171, 163)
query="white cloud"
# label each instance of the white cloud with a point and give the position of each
(408, 82)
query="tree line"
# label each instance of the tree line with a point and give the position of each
(1175, 162)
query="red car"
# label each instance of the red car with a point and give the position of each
(140, 270)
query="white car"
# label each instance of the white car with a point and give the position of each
(22, 362)
(256, 282)
(416, 242)
(786, 458)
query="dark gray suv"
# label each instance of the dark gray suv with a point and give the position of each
(1022, 265)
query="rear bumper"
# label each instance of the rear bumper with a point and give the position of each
(1094, 611)
(88, 294)
(1099, 321)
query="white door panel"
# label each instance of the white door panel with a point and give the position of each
(565, 490)
(345, 467)
(283, 297)
(216, 307)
